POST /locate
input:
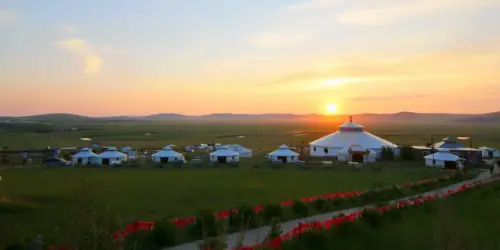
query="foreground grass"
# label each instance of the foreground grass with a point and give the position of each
(47, 203)
(463, 221)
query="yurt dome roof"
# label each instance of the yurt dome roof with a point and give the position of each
(224, 151)
(84, 153)
(112, 154)
(167, 152)
(283, 150)
(443, 156)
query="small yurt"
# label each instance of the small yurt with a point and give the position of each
(443, 159)
(127, 149)
(224, 155)
(244, 152)
(111, 155)
(84, 157)
(284, 154)
(489, 153)
(167, 155)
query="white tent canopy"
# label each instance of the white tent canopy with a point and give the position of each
(224, 155)
(349, 134)
(283, 153)
(127, 149)
(111, 155)
(167, 155)
(84, 157)
(443, 159)
(244, 152)
(488, 152)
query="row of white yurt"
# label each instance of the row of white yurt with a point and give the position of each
(111, 156)
(167, 155)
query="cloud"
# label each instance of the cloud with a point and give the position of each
(310, 5)
(92, 62)
(387, 98)
(68, 28)
(7, 16)
(410, 9)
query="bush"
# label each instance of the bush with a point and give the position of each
(337, 202)
(348, 229)
(206, 225)
(320, 204)
(275, 230)
(300, 208)
(372, 217)
(272, 211)
(213, 244)
(315, 239)
(243, 219)
(164, 234)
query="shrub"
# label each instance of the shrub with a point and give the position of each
(244, 218)
(206, 225)
(300, 208)
(275, 230)
(320, 204)
(164, 234)
(314, 239)
(272, 211)
(337, 202)
(348, 229)
(213, 244)
(372, 217)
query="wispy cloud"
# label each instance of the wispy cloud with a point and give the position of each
(310, 5)
(7, 16)
(387, 98)
(84, 51)
(410, 9)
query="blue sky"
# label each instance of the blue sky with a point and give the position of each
(238, 50)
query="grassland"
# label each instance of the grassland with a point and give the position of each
(464, 221)
(49, 196)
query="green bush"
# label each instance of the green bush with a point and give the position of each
(300, 208)
(275, 230)
(371, 217)
(320, 204)
(243, 219)
(272, 211)
(314, 239)
(206, 225)
(164, 234)
(337, 202)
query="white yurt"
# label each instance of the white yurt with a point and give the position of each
(356, 153)
(224, 155)
(244, 152)
(349, 134)
(111, 156)
(167, 155)
(443, 159)
(284, 154)
(489, 153)
(84, 157)
(126, 149)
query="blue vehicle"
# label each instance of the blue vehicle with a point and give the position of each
(53, 162)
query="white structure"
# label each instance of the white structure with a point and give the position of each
(167, 155)
(244, 152)
(284, 154)
(443, 159)
(356, 153)
(111, 156)
(224, 155)
(84, 157)
(349, 135)
(127, 149)
(487, 152)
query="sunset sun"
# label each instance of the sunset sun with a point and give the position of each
(331, 108)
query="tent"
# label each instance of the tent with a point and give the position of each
(349, 134)
(111, 155)
(244, 152)
(84, 157)
(224, 155)
(167, 155)
(443, 159)
(127, 149)
(487, 152)
(356, 153)
(283, 153)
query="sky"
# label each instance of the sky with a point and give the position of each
(131, 57)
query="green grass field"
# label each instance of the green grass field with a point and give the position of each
(49, 196)
(464, 221)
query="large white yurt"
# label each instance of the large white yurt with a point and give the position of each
(347, 135)
(84, 157)
(284, 154)
(167, 155)
(489, 153)
(443, 159)
(224, 155)
(244, 152)
(111, 155)
(356, 153)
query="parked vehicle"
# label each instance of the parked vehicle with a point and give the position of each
(52, 162)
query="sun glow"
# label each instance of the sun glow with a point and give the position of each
(331, 108)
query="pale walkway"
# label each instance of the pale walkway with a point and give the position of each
(255, 236)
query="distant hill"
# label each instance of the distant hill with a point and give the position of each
(401, 117)
(482, 118)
